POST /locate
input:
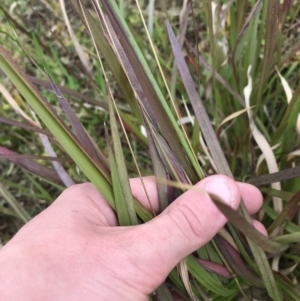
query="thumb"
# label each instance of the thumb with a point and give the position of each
(187, 224)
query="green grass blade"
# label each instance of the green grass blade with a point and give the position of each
(81, 133)
(54, 123)
(206, 279)
(123, 195)
(292, 291)
(218, 156)
(109, 55)
(158, 166)
(270, 39)
(62, 132)
(288, 238)
(150, 88)
(266, 272)
(14, 204)
(163, 293)
(288, 212)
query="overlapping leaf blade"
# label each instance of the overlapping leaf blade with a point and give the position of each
(122, 192)
(219, 157)
(81, 133)
(150, 88)
(61, 132)
(29, 164)
(14, 204)
(108, 53)
(55, 124)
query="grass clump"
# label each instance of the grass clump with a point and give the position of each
(222, 97)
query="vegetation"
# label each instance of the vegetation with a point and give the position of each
(90, 89)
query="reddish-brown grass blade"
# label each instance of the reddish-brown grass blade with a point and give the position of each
(30, 165)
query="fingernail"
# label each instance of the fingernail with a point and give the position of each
(221, 188)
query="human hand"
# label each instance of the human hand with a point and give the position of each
(75, 250)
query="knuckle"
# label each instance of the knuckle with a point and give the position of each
(187, 220)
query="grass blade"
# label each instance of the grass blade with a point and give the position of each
(108, 53)
(262, 143)
(287, 213)
(55, 124)
(14, 204)
(206, 279)
(217, 75)
(30, 165)
(218, 157)
(62, 132)
(236, 263)
(61, 172)
(271, 34)
(25, 126)
(239, 222)
(158, 165)
(289, 119)
(122, 191)
(283, 175)
(204, 122)
(149, 86)
(77, 46)
(81, 133)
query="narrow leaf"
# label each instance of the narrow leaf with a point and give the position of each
(262, 142)
(270, 41)
(30, 165)
(206, 279)
(236, 263)
(14, 204)
(82, 56)
(124, 204)
(283, 175)
(55, 124)
(163, 293)
(240, 223)
(81, 133)
(234, 115)
(158, 165)
(25, 126)
(289, 94)
(288, 238)
(202, 117)
(215, 268)
(149, 86)
(217, 75)
(108, 53)
(290, 117)
(288, 212)
(62, 173)
(62, 133)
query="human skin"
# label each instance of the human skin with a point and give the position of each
(75, 250)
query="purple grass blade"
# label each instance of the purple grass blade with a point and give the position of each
(202, 117)
(80, 131)
(30, 165)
